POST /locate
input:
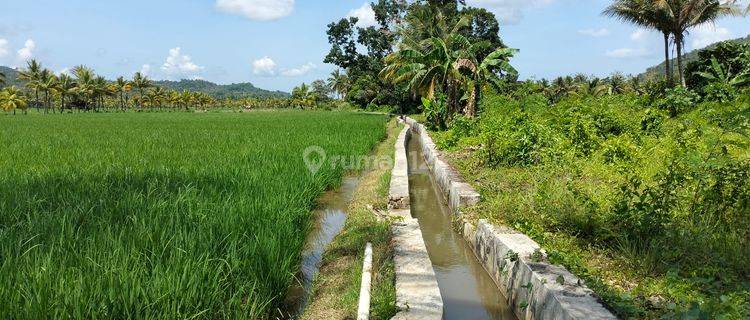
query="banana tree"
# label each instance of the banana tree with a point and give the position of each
(489, 71)
(727, 77)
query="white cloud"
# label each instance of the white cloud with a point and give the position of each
(146, 70)
(596, 33)
(264, 67)
(27, 52)
(179, 65)
(260, 10)
(65, 71)
(301, 71)
(707, 34)
(627, 53)
(508, 11)
(365, 14)
(3, 47)
(639, 34)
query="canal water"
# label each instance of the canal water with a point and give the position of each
(329, 221)
(468, 291)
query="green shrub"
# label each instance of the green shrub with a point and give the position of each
(514, 141)
(719, 92)
(678, 100)
(652, 120)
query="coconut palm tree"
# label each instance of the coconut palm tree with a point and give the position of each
(65, 87)
(2, 79)
(340, 83)
(594, 87)
(426, 64)
(46, 85)
(85, 86)
(141, 82)
(157, 97)
(646, 14)
(682, 15)
(122, 87)
(100, 92)
(12, 99)
(31, 75)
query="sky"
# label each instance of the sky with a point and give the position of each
(278, 44)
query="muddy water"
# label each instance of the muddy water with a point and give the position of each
(329, 221)
(468, 291)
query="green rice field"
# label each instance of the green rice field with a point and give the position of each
(163, 215)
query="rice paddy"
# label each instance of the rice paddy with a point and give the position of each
(163, 215)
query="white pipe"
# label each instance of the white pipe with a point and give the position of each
(363, 312)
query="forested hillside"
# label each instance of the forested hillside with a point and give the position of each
(689, 57)
(231, 91)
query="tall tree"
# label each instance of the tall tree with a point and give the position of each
(682, 15)
(483, 71)
(31, 75)
(339, 82)
(65, 87)
(141, 83)
(646, 14)
(85, 86)
(47, 84)
(2, 79)
(12, 99)
(122, 87)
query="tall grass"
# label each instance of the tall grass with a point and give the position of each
(161, 215)
(653, 210)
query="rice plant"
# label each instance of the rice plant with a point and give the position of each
(161, 216)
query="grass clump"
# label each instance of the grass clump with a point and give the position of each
(159, 216)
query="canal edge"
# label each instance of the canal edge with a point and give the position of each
(417, 292)
(534, 288)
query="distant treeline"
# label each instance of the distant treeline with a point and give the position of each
(217, 91)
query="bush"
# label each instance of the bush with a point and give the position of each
(678, 100)
(719, 92)
(514, 141)
(652, 121)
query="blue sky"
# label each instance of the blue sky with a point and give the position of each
(277, 44)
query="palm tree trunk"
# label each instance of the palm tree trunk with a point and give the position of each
(667, 62)
(36, 99)
(680, 67)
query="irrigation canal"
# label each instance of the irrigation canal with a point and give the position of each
(468, 291)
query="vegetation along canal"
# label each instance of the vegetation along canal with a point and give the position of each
(330, 218)
(468, 291)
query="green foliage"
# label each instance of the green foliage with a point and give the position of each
(719, 92)
(652, 211)
(677, 101)
(727, 62)
(436, 112)
(163, 215)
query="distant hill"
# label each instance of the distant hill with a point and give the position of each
(10, 76)
(235, 90)
(689, 57)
